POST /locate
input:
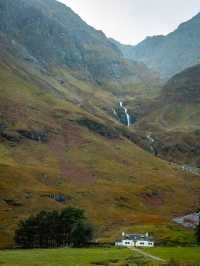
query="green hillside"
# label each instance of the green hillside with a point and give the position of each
(51, 146)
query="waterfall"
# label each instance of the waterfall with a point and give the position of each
(128, 118)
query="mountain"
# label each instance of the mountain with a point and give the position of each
(61, 142)
(169, 54)
(174, 118)
(50, 33)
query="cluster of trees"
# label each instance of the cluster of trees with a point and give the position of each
(49, 229)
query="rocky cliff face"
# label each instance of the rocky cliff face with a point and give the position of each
(169, 54)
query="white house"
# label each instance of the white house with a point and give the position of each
(135, 240)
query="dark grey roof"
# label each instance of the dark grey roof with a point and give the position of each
(138, 237)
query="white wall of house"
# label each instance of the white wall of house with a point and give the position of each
(144, 244)
(132, 243)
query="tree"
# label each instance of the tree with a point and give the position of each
(69, 227)
(70, 218)
(81, 234)
(26, 233)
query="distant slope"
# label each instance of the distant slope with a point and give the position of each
(169, 54)
(184, 87)
(174, 117)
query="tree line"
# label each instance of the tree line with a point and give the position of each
(50, 229)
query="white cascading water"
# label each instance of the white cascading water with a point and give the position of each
(128, 118)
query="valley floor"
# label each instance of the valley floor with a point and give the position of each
(97, 256)
(64, 257)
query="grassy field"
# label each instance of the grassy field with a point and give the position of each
(182, 254)
(64, 257)
(97, 256)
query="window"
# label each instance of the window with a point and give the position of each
(127, 243)
(142, 243)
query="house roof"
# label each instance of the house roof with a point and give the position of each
(137, 237)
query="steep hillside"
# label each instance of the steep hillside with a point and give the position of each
(169, 54)
(61, 142)
(174, 118)
(54, 154)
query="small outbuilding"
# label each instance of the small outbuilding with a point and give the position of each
(135, 240)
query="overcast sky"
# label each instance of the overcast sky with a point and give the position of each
(130, 21)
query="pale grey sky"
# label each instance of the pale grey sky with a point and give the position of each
(130, 21)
